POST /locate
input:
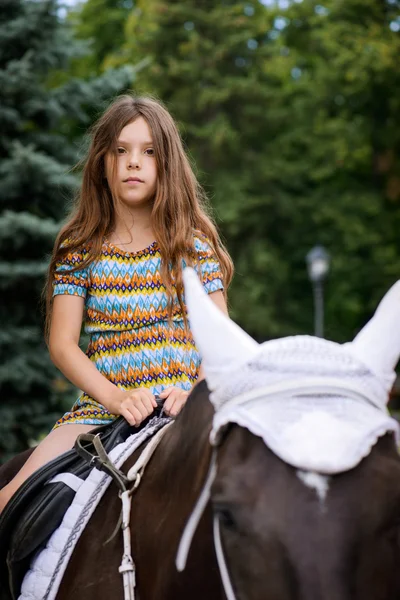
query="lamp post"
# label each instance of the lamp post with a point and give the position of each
(318, 261)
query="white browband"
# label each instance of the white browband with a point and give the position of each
(308, 386)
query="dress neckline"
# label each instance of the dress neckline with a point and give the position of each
(129, 253)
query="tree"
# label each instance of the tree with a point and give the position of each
(42, 115)
(101, 23)
(341, 83)
(291, 115)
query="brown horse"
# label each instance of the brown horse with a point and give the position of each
(279, 543)
(325, 526)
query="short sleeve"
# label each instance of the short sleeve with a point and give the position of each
(210, 268)
(68, 278)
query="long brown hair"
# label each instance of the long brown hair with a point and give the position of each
(180, 205)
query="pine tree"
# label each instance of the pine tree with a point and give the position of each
(42, 116)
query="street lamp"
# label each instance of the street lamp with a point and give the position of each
(318, 266)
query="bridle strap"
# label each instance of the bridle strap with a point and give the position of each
(191, 526)
(223, 568)
(196, 514)
(307, 386)
(304, 387)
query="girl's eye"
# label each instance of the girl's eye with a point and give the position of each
(120, 150)
(149, 151)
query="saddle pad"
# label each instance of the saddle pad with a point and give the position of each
(37, 508)
(47, 569)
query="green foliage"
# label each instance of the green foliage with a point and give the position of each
(42, 116)
(292, 118)
(101, 23)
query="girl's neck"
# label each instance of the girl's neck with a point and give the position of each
(133, 230)
(137, 217)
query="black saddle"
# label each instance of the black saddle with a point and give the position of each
(37, 508)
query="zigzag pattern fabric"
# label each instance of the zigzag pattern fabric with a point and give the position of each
(132, 342)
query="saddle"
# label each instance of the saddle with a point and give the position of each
(37, 508)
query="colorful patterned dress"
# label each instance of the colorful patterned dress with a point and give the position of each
(132, 343)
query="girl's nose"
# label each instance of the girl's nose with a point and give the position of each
(133, 162)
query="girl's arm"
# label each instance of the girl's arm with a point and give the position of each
(79, 369)
(219, 299)
(65, 352)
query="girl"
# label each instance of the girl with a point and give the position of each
(139, 218)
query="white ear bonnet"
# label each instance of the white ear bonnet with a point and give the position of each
(318, 405)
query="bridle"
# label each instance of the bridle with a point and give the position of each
(191, 526)
(134, 476)
(223, 567)
(315, 385)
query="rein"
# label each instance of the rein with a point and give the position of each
(134, 476)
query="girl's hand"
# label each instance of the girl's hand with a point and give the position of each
(134, 405)
(175, 399)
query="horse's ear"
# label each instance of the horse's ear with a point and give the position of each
(223, 345)
(378, 343)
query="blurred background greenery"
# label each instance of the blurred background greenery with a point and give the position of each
(290, 110)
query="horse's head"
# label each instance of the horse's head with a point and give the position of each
(295, 535)
(306, 484)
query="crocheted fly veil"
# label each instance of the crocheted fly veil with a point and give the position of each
(318, 405)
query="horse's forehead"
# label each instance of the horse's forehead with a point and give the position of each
(245, 457)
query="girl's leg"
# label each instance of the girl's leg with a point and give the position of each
(56, 443)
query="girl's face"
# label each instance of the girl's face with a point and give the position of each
(134, 180)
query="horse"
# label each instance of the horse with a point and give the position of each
(318, 520)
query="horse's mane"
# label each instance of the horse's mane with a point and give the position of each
(186, 447)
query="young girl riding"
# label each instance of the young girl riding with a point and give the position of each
(140, 217)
